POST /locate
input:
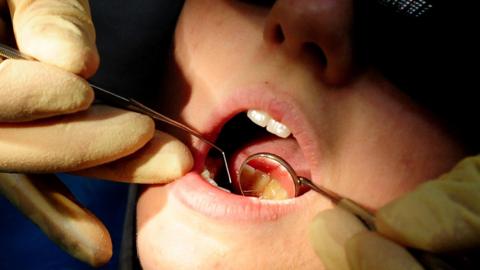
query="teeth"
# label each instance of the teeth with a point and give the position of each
(258, 117)
(207, 176)
(278, 129)
(257, 183)
(264, 120)
(253, 181)
(274, 191)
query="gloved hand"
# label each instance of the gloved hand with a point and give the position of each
(47, 125)
(441, 215)
(61, 36)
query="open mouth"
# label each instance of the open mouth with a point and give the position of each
(230, 128)
(249, 133)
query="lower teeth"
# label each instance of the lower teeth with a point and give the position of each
(208, 177)
(255, 183)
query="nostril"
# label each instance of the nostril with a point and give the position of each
(278, 35)
(316, 53)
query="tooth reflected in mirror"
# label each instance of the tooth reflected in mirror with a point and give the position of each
(265, 178)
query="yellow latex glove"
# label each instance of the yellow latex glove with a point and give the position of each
(441, 215)
(47, 125)
(34, 94)
(48, 203)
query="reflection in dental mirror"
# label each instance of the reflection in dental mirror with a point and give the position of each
(267, 176)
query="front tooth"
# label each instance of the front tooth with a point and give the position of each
(258, 117)
(278, 129)
(263, 119)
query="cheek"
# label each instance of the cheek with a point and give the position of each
(387, 147)
(212, 41)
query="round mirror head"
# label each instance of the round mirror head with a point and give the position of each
(267, 176)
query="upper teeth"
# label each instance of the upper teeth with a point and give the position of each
(273, 126)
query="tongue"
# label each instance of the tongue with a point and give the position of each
(288, 149)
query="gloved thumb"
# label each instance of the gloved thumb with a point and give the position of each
(440, 215)
(342, 242)
(57, 32)
(329, 232)
(368, 250)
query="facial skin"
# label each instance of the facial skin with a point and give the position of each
(361, 137)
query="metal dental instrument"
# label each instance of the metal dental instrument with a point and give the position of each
(268, 171)
(130, 104)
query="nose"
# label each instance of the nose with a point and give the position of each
(316, 30)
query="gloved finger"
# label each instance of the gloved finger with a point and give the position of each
(73, 142)
(162, 160)
(329, 231)
(440, 215)
(368, 250)
(49, 204)
(31, 90)
(57, 32)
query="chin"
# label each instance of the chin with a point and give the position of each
(175, 234)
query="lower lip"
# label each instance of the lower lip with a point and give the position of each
(194, 192)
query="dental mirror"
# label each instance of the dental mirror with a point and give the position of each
(268, 176)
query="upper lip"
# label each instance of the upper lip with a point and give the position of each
(280, 105)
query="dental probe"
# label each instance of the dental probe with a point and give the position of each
(130, 104)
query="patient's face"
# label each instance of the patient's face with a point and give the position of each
(351, 131)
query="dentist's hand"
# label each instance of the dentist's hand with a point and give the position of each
(44, 122)
(441, 215)
(47, 125)
(64, 136)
